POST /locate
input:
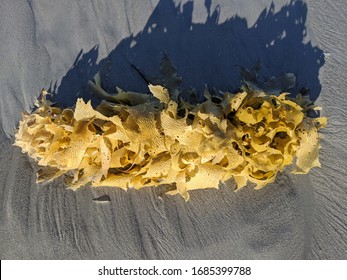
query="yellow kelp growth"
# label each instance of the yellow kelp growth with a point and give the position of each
(139, 140)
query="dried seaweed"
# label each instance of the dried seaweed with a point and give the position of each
(139, 140)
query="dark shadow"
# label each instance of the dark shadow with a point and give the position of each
(75, 83)
(207, 53)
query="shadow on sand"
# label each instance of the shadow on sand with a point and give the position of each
(204, 53)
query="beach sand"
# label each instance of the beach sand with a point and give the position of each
(60, 45)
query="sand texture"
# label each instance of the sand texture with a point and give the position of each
(60, 45)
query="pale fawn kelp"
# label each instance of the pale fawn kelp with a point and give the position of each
(139, 140)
